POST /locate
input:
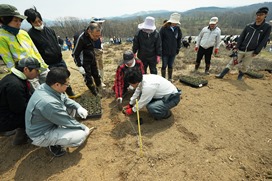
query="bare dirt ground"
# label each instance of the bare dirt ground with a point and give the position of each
(222, 131)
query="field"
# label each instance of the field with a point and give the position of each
(222, 131)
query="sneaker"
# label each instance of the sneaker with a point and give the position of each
(57, 150)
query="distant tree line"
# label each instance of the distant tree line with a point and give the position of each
(230, 22)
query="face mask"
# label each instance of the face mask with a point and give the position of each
(10, 29)
(40, 28)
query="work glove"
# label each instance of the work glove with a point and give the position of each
(130, 88)
(83, 113)
(158, 59)
(128, 106)
(81, 70)
(216, 51)
(196, 49)
(128, 111)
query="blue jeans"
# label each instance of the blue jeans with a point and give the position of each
(168, 60)
(160, 108)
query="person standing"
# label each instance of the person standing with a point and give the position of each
(15, 44)
(87, 64)
(171, 42)
(47, 43)
(250, 43)
(15, 93)
(207, 40)
(147, 44)
(98, 49)
(155, 92)
(120, 84)
(50, 115)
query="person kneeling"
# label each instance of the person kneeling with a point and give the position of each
(50, 115)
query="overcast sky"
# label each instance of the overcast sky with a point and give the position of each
(52, 9)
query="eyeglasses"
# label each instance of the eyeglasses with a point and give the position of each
(66, 84)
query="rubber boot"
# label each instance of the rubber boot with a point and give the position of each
(163, 72)
(70, 93)
(223, 73)
(20, 137)
(170, 72)
(240, 75)
(93, 89)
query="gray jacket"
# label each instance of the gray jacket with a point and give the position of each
(46, 110)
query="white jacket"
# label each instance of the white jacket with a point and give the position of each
(209, 38)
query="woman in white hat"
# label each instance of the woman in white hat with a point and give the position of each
(171, 42)
(147, 44)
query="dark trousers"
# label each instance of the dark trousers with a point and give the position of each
(168, 60)
(91, 73)
(11, 121)
(159, 108)
(151, 63)
(204, 52)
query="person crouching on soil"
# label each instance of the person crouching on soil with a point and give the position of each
(15, 93)
(50, 115)
(156, 93)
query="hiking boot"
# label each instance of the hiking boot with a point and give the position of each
(57, 150)
(222, 74)
(20, 137)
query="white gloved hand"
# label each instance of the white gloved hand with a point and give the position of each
(83, 113)
(81, 70)
(119, 100)
(130, 87)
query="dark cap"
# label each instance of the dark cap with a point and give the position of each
(263, 10)
(29, 62)
(9, 10)
(128, 55)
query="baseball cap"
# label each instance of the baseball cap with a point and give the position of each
(29, 62)
(9, 10)
(127, 56)
(263, 10)
(213, 20)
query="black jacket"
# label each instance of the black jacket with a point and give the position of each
(14, 96)
(148, 46)
(253, 38)
(84, 45)
(171, 40)
(47, 44)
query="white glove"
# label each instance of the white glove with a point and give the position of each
(130, 87)
(81, 70)
(119, 100)
(83, 113)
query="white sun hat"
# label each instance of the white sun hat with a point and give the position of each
(213, 20)
(174, 18)
(149, 23)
